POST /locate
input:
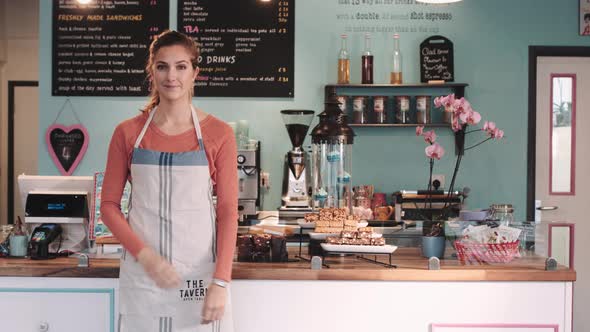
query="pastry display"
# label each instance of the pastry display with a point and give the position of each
(333, 220)
(362, 237)
(262, 248)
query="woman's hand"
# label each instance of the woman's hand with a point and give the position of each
(158, 269)
(214, 304)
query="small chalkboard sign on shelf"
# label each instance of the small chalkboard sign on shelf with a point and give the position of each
(436, 60)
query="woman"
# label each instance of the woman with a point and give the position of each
(176, 266)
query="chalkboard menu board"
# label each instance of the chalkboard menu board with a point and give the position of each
(247, 46)
(100, 49)
(436, 60)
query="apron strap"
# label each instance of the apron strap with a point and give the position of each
(151, 116)
(145, 127)
(197, 128)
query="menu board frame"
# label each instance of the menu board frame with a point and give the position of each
(71, 77)
(268, 74)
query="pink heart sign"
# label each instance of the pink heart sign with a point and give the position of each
(67, 146)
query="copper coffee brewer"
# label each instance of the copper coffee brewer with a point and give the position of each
(332, 141)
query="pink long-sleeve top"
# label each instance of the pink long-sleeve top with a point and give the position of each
(220, 147)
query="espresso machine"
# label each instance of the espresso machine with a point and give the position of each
(248, 183)
(295, 201)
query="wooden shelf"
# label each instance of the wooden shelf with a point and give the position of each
(393, 90)
(371, 125)
(416, 85)
(457, 88)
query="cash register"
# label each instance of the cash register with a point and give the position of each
(57, 211)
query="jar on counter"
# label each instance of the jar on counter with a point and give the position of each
(343, 101)
(361, 197)
(502, 213)
(379, 111)
(359, 110)
(379, 199)
(423, 109)
(402, 109)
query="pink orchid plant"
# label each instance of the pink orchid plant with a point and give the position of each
(462, 116)
(462, 113)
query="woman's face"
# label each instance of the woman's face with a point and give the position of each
(173, 73)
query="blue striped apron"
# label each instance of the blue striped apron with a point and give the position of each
(172, 211)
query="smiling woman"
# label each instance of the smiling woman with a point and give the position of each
(174, 155)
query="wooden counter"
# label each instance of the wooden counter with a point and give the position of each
(411, 267)
(59, 267)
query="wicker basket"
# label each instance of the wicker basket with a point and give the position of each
(472, 252)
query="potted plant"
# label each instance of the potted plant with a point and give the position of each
(462, 116)
(433, 243)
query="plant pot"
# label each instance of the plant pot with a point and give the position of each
(433, 246)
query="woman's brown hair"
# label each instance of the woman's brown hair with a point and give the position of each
(167, 38)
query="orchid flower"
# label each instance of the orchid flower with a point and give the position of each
(493, 131)
(489, 126)
(435, 151)
(419, 130)
(470, 117)
(430, 137)
(497, 134)
(449, 101)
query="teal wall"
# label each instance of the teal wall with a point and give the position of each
(491, 41)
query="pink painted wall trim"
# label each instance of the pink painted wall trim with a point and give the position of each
(555, 327)
(572, 228)
(572, 191)
(52, 154)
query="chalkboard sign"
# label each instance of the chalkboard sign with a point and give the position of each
(436, 60)
(67, 146)
(101, 48)
(247, 46)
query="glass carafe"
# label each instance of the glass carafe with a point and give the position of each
(332, 168)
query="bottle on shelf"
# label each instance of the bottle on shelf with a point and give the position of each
(396, 69)
(343, 62)
(367, 62)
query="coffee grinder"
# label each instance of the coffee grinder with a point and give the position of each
(295, 201)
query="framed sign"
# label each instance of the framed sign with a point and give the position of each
(584, 17)
(247, 46)
(436, 60)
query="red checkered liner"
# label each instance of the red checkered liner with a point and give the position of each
(472, 252)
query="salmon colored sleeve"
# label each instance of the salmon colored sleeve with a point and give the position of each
(226, 176)
(112, 189)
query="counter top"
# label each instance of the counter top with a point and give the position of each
(411, 267)
(103, 267)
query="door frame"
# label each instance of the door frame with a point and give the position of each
(12, 86)
(534, 53)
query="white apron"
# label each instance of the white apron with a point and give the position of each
(172, 211)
